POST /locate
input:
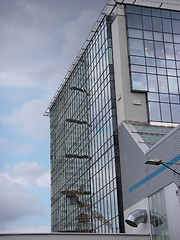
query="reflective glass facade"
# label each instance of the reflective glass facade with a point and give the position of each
(85, 175)
(154, 56)
(158, 216)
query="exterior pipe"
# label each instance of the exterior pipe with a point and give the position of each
(136, 217)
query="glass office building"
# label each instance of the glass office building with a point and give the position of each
(86, 192)
(84, 143)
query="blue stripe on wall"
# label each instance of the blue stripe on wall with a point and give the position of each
(155, 173)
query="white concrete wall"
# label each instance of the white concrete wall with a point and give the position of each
(73, 236)
(172, 197)
(130, 106)
(143, 228)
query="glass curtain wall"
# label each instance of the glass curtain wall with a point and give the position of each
(70, 196)
(158, 216)
(84, 143)
(154, 56)
(103, 133)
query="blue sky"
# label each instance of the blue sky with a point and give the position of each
(39, 39)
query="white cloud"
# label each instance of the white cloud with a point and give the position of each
(28, 174)
(44, 180)
(15, 203)
(29, 119)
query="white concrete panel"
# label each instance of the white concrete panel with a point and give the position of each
(172, 197)
(143, 228)
(126, 109)
(73, 236)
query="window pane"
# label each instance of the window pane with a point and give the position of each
(165, 112)
(162, 82)
(153, 97)
(177, 51)
(134, 21)
(176, 24)
(136, 47)
(147, 23)
(148, 35)
(175, 112)
(167, 26)
(164, 97)
(176, 38)
(138, 68)
(169, 51)
(150, 62)
(135, 33)
(137, 60)
(154, 111)
(149, 48)
(152, 83)
(175, 98)
(139, 81)
(172, 81)
(158, 36)
(157, 25)
(168, 37)
(159, 50)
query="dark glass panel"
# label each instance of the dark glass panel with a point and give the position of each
(134, 21)
(175, 15)
(167, 25)
(133, 9)
(166, 13)
(156, 12)
(176, 28)
(146, 11)
(147, 23)
(157, 24)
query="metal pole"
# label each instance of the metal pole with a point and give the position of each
(170, 168)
